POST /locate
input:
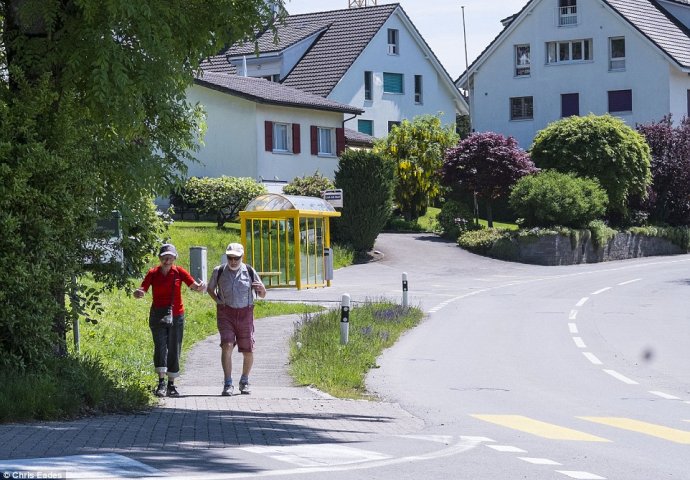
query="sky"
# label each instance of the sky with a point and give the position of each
(440, 23)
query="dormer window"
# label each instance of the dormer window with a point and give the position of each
(567, 13)
(393, 41)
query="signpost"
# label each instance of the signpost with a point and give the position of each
(334, 197)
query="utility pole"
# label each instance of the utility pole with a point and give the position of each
(467, 66)
(469, 108)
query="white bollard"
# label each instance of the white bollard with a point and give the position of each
(345, 319)
(404, 286)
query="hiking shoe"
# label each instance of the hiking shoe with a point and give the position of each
(244, 388)
(172, 391)
(227, 389)
(160, 390)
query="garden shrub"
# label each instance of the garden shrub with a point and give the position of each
(601, 147)
(552, 198)
(224, 196)
(367, 180)
(308, 186)
(454, 219)
(480, 241)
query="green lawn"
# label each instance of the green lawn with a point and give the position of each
(429, 223)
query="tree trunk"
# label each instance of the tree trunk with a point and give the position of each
(489, 215)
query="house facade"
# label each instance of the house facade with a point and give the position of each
(372, 58)
(266, 131)
(556, 58)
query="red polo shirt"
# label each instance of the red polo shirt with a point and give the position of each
(163, 286)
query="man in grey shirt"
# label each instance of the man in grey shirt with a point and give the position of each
(232, 286)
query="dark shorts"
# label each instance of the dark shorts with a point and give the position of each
(236, 327)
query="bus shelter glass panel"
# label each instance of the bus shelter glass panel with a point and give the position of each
(312, 251)
(270, 249)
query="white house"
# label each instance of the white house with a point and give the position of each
(267, 131)
(556, 58)
(372, 58)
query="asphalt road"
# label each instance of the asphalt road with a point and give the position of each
(569, 372)
(523, 371)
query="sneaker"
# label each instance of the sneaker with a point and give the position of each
(160, 390)
(172, 391)
(227, 389)
(244, 388)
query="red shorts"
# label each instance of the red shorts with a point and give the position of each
(236, 327)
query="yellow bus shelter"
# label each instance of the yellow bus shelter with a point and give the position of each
(287, 240)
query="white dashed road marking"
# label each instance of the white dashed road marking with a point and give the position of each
(664, 395)
(601, 290)
(572, 327)
(620, 377)
(579, 342)
(539, 461)
(592, 358)
(582, 301)
(581, 475)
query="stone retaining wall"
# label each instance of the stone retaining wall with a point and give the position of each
(562, 250)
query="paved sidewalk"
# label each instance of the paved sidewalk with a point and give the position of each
(276, 413)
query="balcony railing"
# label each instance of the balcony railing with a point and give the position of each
(567, 15)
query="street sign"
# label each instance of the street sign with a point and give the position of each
(334, 197)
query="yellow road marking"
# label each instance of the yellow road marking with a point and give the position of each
(541, 429)
(667, 433)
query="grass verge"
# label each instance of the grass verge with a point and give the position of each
(318, 359)
(114, 370)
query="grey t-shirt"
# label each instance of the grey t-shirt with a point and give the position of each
(235, 289)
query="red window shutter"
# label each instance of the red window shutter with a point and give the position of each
(339, 141)
(314, 140)
(268, 135)
(296, 146)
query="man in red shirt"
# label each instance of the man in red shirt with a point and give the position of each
(166, 280)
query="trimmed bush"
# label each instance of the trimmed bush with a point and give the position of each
(553, 198)
(309, 186)
(601, 147)
(454, 219)
(224, 196)
(367, 180)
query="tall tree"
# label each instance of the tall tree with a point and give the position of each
(486, 164)
(93, 117)
(417, 148)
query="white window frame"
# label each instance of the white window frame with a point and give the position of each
(523, 60)
(418, 89)
(526, 114)
(393, 41)
(368, 85)
(616, 63)
(325, 141)
(553, 51)
(282, 132)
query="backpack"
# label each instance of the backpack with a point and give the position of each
(252, 276)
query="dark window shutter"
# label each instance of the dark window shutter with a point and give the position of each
(296, 146)
(339, 141)
(570, 104)
(314, 140)
(268, 135)
(620, 101)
